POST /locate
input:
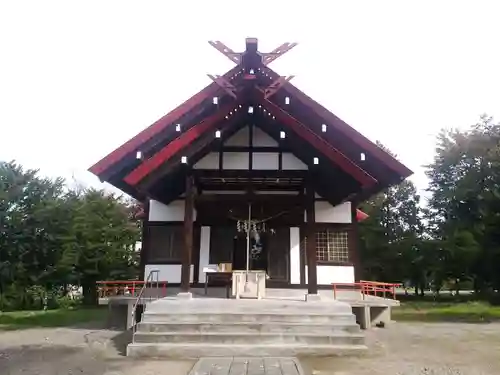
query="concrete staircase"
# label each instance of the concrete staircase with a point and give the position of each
(213, 328)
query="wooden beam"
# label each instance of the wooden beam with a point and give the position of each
(279, 51)
(235, 57)
(275, 86)
(188, 235)
(312, 272)
(145, 241)
(224, 84)
(291, 200)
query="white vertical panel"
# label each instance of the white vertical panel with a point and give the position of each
(235, 160)
(291, 162)
(171, 212)
(210, 161)
(294, 255)
(326, 213)
(261, 139)
(240, 138)
(265, 161)
(204, 252)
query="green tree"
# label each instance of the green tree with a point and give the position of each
(465, 204)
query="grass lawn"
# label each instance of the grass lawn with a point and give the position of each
(50, 318)
(473, 312)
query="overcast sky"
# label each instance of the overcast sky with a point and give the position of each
(77, 79)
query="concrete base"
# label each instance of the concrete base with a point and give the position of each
(368, 315)
(211, 327)
(185, 295)
(313, 297)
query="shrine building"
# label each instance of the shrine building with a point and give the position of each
(251, 153)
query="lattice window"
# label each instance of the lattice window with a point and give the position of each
(331, 246)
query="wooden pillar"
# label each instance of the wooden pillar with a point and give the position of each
(353, 242)
(188, 235)
(312, 271)
(145, 241)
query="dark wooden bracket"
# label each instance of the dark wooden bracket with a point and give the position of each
(227, 86)
(226, 51)
(276, 85)
(269, 57)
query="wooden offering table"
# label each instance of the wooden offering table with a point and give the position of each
(221, 272)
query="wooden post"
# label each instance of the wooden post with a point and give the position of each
(312, 274)
(188, 235)
(145, 240)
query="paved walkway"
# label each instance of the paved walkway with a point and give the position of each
(247, 366)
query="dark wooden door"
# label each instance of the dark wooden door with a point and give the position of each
(278, 252)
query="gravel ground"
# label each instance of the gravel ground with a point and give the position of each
(421, 349)
(401, 349)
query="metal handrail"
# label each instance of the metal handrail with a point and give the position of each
(149, 279)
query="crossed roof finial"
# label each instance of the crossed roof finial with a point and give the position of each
(252, 44)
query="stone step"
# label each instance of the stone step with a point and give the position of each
(231, 317)
(255, 327)
(197, 350)
(248, 338)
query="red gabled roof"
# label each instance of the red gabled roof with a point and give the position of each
(343, 127)
(324, 143)
(185, 139)
(135, 143)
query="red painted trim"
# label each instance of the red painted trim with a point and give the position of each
(360, 215)
(345, 128)
(134, 143)
(146, 167)
(320, 144)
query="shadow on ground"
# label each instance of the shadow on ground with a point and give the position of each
(120, 342)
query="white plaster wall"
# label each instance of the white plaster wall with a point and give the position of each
(262, 139)
(265, 161)
(235, 160)
(290, 162)
(204, 252)
(326, 213)
(171, 212)
(170, 273)
(334, 274)
(210, 161)
(294, 255)
(240, 138)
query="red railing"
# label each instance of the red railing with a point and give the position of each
(373, 288)
(127, 288)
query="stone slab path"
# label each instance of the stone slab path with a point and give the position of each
(247, 366)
